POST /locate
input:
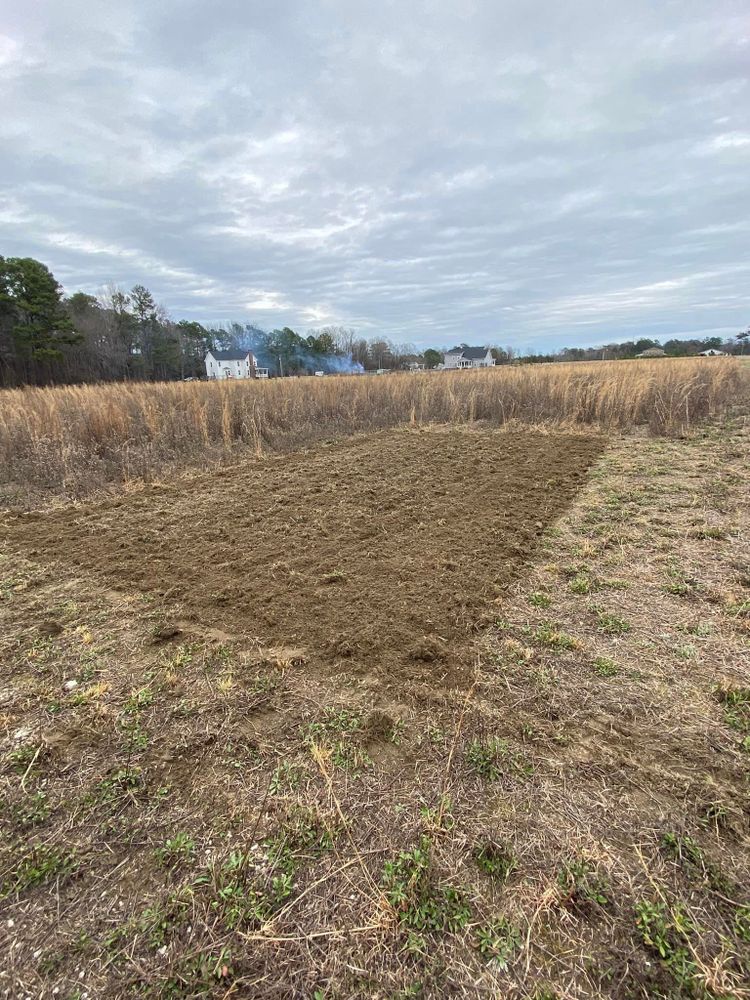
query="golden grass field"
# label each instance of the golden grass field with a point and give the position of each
(74, 440)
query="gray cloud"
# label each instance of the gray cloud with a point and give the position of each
(528, 173)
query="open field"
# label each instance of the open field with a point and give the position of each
(440, 709)
(72, 442)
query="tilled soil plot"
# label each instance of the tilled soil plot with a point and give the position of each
(378, 553)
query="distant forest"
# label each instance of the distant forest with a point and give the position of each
(48, 338)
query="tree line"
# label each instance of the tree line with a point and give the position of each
(46, 337)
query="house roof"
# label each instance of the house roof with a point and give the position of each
(233, 355)
(470, 353)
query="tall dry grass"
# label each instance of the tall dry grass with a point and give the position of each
(78, 439)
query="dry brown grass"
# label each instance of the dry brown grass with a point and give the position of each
(76, 440)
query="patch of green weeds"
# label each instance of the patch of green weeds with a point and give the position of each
(177, 850)
(498, 940)
(583, 583)
(677, 583)
(611, 624)
(138, 700)
(265, 683)
(32, 811)
(420, 900)
(715, 814)
(700, 629)
(302, 832)
(495, 859)
(40, 865)
(741, 924)
(286, 777)
(396, 733)
(182, 656)
(335, 721)
(26, 757)
(196, 976)
(540, 600)
(249, 887)
(336, 732)
(158, 923)
(439, 817)
(605, 667)
(348, 756)
(665, 930)
(486, 757)
(238, 902)
(583, 884)
(686, 652)
(552, 638)
(415, 944)
(736, 703)
(118, 785)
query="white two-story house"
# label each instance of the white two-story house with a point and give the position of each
(230, 364)
(469, 357)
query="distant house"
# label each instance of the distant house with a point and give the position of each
(232, 364)
(469, 357)
(712, 353)
(652, 352)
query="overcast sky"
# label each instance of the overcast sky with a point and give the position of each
(529, 173)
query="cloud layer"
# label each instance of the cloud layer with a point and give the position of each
(525, 172)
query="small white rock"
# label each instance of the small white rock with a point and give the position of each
(22, 734)
(11, 923)
(70, 685)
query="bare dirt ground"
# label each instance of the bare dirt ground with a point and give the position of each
(382, 551)
(516, 779)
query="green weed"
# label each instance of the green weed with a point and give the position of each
(498, 940)
(736, 708)
(286, 777)
(495, 859)
(197, 976)
(605, 667)
(177, 850)
(33, 810)
(547, 635)
(42, 864)
(485, 757)
(666, 931)
(611, 624)
(583, 883)
(582, 583)
(414, 891)
(539, 600)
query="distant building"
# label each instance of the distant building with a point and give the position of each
(652, 352)
(712, 353)
(469, 357)
(232, 364)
